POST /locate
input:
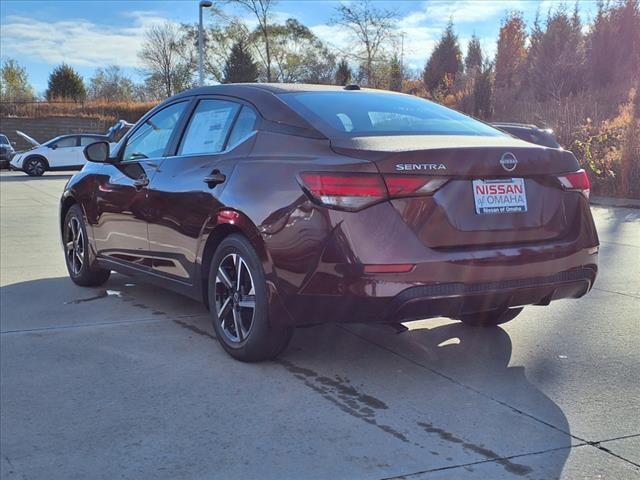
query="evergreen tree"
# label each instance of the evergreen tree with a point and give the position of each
(613, 50)
(343, 73)
(473, 60)
(396, 75)
(65, 82)
(557, 57)
(533, 52)
(240, 67)
(483, 93)
(445, 61)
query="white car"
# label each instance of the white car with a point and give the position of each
(61, 153)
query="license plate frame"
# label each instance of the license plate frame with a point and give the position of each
(499, 196)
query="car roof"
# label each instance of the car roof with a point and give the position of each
(266, 98)
(68, 135)
(276, 88)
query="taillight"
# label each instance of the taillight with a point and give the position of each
(354, 191)
(576, 181)
(410, 185)
(351, 191)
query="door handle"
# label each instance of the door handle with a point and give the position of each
(141, 182)
(215, 178)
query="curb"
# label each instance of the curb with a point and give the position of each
(615, 202)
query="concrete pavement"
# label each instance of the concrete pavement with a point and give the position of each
(128, 381)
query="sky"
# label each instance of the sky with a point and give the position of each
(92, 34)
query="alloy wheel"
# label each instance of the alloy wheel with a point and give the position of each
(235, 298)
(36, 168)
(74, 245)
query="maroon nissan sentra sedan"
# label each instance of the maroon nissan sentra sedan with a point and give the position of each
(287, 205)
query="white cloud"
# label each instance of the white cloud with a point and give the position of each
(438, 12)
(76, 41)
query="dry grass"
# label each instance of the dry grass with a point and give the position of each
(102, 110)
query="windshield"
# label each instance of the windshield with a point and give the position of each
(3, 140)
(358, 113)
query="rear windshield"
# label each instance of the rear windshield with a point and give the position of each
(360, 113)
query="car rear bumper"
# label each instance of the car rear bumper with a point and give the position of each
(451, 299)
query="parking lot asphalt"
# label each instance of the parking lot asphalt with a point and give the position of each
(127, 381)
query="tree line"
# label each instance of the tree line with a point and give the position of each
(581, 80)
(550, 60)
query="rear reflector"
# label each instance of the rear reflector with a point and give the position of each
(389, 268)
(577, 181)
(354, 191)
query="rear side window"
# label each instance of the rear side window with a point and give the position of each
(66, 142)
(88, 140)
(361, 113)
(245, 124)
(208, 127)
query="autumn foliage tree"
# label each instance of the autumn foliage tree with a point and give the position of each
(510, 60)
(14, 83)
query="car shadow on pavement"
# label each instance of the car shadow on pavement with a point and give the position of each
(424, 366)
(443, 396)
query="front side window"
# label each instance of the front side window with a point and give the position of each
(66, 142)
(208, 127)
(150, 140)
(361, 113)
(3, 140)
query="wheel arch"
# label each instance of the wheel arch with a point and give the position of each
(68, 200)
(224, 223)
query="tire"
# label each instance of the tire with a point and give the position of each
(491, 318)
(240, 315)
(76, 251)
(35, 166)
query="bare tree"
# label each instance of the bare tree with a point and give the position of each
(371, 28)
(261, 9)
(162, 59)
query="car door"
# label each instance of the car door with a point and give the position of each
(62, 154)
(121, 200)
(185, 193)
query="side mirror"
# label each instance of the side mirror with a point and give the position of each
(53, 146)
(13, 144)
(97, 152)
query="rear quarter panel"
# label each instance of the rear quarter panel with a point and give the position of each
(265, 188)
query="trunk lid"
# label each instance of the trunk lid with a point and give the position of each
(449, 218)
(451, 155)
